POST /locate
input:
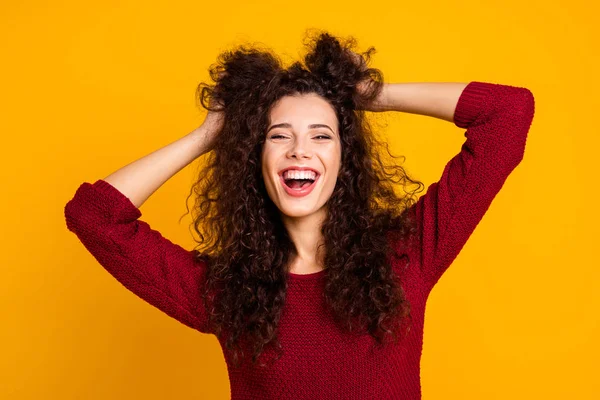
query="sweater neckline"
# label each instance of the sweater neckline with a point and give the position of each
(307, 277)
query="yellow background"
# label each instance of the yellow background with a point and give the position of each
(90, 87)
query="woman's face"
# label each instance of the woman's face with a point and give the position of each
(303, 132)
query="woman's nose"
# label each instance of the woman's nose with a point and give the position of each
(299, 149)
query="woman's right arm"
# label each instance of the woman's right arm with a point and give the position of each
(105, 217)
(139, 179)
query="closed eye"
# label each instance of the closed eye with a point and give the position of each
(320, 136)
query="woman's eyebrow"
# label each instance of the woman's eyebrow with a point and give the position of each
(287, 125)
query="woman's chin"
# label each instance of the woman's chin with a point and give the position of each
(300, 210)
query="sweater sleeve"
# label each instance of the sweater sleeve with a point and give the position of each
(158, 271)
(497, 118)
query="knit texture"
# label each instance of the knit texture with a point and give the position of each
(320, 361)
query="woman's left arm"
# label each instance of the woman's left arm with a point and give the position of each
(497, 119)
(434, 99)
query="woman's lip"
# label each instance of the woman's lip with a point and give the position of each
(302, 192)
(302, 169)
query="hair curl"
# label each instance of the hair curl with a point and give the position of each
(246, 245)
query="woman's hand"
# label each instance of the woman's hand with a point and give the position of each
(209, 131)
(378, 104)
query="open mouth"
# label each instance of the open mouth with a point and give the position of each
(298, 184)
(298, 187)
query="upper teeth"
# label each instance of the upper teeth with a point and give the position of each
(292, 174)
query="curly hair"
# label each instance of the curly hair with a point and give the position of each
(244, 242)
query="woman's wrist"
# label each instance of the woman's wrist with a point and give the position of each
(382, 102)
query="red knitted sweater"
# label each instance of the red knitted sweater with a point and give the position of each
(319, 361)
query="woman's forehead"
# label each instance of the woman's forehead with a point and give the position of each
(303, 110)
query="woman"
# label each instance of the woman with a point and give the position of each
(310, 270)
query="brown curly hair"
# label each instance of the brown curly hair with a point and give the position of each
(244, 242)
